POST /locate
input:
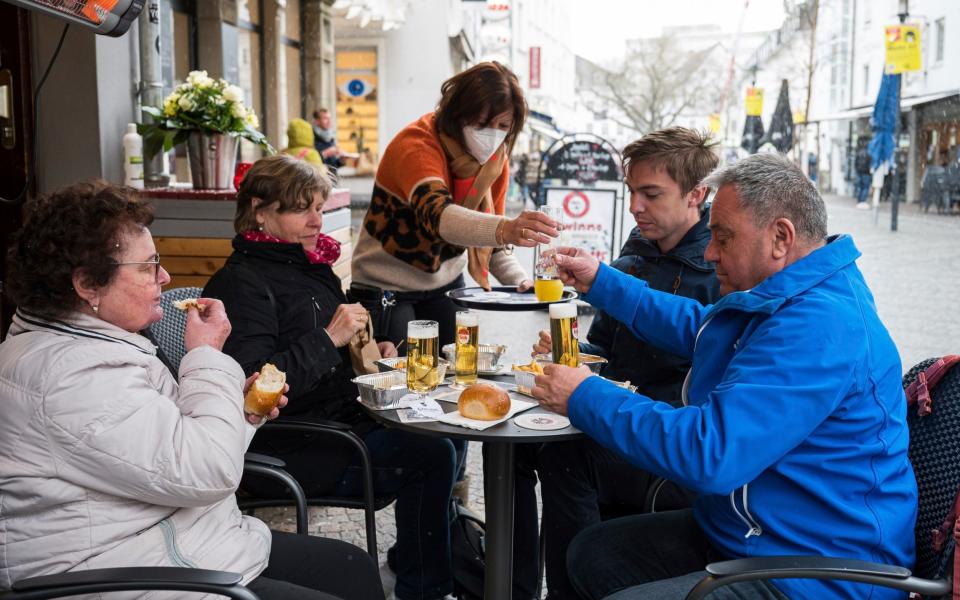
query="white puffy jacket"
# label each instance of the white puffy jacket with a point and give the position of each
(106, 462)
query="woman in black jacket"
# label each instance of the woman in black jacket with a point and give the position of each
(287, 307)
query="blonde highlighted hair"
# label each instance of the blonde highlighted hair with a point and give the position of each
(283, 180)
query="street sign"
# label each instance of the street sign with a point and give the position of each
(902, 44)
(534, 67)
(588, 219)
(583, 161)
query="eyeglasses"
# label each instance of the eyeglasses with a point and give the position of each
(155, 262)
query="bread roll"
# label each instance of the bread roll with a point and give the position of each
(484, 402)
(264, 394)
(186, 303)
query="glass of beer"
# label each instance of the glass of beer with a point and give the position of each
(423, 356)
(468, 334)
(563, 334)
(547, 285)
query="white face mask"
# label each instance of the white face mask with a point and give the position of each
(482, 143)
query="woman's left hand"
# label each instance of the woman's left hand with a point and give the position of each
(257, 419)
(524, 285)
(387, 349)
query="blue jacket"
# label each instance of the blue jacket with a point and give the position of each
(682, 271)
(795, 432)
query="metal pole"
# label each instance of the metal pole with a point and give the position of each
(151, 85)
(897, 174)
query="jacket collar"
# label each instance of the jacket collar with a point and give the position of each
(81, 325)
(278, 252)
(838, 253)
(689, 250)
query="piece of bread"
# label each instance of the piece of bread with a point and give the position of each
(186, 303)
(264, 394)
(484, 402)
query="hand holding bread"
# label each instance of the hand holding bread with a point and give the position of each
(209, 327)
(264, 394)
(484, 402)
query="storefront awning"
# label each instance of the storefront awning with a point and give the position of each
(544, 129)
(906, 104)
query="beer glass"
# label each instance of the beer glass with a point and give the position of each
(546, 284)
(563, 334)
(468, 334)
(423, 357)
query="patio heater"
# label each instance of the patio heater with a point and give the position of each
(106, 17)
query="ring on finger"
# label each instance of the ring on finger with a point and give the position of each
(523, 233)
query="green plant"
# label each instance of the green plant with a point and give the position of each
(201, 103)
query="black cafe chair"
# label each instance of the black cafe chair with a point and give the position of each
(168, 335)
(126, 579)
(935, 454)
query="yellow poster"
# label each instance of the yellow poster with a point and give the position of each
(799, 117)
(903, 48)
(714, 123)
(754, 101)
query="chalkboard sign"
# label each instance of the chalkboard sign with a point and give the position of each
(583, 161)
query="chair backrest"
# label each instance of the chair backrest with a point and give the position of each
(935, 454)
(168, 331)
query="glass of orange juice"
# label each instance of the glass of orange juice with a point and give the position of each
(547, 285)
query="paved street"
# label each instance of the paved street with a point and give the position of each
(914, 274)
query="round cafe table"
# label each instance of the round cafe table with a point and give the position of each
(498, 479)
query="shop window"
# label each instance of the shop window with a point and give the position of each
(357, 104)
(249, 73)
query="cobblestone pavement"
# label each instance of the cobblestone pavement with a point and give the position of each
(914, 274)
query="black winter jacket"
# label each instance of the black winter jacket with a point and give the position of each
(288, 329)
(656, 373)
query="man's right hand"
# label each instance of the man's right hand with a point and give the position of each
(208, 328)
(543, 345)
(577, 267)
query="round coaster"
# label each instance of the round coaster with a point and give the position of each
(541, 421)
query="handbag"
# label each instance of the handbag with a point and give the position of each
(363, 351)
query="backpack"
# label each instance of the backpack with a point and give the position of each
(934, 419)
(467, 549)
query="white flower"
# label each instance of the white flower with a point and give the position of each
(238, 110)
(233, 93)
(252, 119)
(186, 103)
(199, 79)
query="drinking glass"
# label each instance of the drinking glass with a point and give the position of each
(467, 348)
(547, 285)
(423, 357)
(563, 334)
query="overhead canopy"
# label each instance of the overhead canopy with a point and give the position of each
(861, 112)
(545, 129)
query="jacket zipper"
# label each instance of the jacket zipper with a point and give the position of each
(173, 551)
(753, 528)
(317, 307)
(686, 379)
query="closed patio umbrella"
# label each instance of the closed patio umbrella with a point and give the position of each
(780, 133)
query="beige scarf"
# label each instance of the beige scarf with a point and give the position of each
(464, 166)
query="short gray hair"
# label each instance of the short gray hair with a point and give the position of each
(773, 187)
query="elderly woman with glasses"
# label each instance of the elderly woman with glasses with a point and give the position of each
(109, 460)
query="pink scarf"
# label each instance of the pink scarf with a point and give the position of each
(326, 253)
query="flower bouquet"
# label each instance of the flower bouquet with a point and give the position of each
(209, 115)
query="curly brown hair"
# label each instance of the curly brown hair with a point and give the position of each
(81, 227)
(282, 179)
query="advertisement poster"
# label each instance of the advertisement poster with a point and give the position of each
(903, 48)
(754, 101)
(588, 219)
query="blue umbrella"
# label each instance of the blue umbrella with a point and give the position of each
(886, 111)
